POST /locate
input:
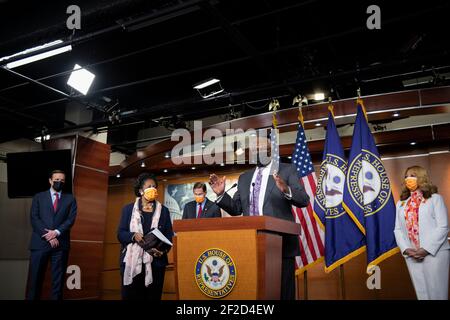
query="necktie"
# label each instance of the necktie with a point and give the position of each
(55, 203)
(199, 210)
(256, 191)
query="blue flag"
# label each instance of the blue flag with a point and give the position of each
(367, 193)
(343, 239)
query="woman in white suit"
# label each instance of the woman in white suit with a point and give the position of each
(421, 231)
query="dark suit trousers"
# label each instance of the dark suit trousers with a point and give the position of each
(288, 278)
(38, 265)
(137, 289)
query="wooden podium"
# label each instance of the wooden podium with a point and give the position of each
(249, 247)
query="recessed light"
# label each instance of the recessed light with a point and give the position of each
(319, 96)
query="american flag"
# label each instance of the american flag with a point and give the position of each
(312, 237)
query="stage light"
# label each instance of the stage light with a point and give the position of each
(209, 88)
(81, 79)
(143, 165)
(319, 96)
(42, 138)
(36, 57)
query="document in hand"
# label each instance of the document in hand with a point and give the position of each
(155, 239)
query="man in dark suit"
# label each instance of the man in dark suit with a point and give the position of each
(201, 207)
(52, 216)
(262, 193)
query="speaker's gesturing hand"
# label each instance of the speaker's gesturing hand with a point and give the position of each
(217, 184)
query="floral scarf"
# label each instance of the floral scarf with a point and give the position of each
(412, 217)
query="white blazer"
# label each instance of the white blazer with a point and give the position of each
(433, 225)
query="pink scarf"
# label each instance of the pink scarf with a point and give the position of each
(135, 255)
(412, 217)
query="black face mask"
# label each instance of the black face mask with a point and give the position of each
(58, 186)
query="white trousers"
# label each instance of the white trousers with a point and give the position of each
(430, 277)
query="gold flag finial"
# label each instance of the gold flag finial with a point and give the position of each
(274, 105)
(330, 106)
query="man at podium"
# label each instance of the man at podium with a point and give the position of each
(262, 193)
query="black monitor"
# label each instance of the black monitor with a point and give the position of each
(28, 172)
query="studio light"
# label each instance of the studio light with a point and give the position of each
(81, 79)
(209, 88)
(36, 57)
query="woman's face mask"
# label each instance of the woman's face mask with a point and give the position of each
(150, 194)
(411, 183)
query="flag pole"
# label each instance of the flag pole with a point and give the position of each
(305, 284)
(341, 281)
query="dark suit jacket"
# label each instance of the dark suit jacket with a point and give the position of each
(211, 210)
(275, 202)
(125, 236)
(44, 217)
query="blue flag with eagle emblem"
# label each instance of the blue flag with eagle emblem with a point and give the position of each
(367, 193)
(343, 239)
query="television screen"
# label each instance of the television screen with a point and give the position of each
(28, 172)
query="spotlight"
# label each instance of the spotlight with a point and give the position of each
(80, 79)
(209, 88)
(319, 96)
(36, 57)
(318, 124)
(118, 175)
(167, 155)
(412, 143)
(396, 114)
(193, 168)
(290, 157)
(143, 165)
(165, 170)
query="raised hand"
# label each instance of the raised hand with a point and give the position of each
(217, 184)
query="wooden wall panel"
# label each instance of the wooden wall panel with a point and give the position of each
(92, 197)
